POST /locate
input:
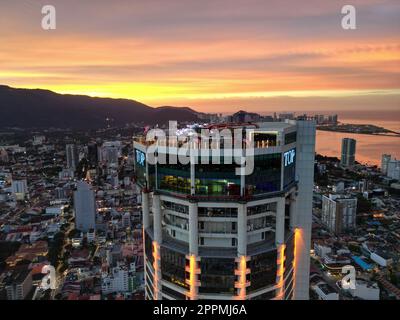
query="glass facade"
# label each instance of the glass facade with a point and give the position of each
(261, 223)
(217, 212)
(290, 137)
(289, 255)
(265, 140)
(216, 171)
(217, 227)
(262, 270)
(173, 294)
(173, 220)
(216, 179)
(210, 180)
(217, 187)
(288, 291)
(174, 178)
(149, 280)
(261, 208)
(287, 230)
(266, 176)
(148, 247)
(175, 207)
(220, 179)
(217, 275)
(173, 267)
(266, 296)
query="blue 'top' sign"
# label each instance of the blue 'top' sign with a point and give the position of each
(140, 157)
(289, 157)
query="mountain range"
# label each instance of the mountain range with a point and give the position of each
(37, 108)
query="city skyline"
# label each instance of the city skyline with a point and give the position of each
(114, 226)
(218, 151)
(260, 55)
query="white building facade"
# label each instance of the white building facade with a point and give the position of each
(393, 169)
(72, 156)
(339, 213)
(85, 207)
(116, 281)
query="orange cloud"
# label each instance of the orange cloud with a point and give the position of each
(192, 53)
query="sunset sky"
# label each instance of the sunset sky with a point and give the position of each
(215, 56)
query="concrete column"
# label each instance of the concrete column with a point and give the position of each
(305, 152)
(193, 251)
(193, 229)
(192, 178)
(242, 229)
(193, 156)
(146, 224)
(243, 170)
(157, 218)
(242, 184)
(156, 245)
(280, 222)
(145, 209)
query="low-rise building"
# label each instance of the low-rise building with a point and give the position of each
(325, 291)
(381, 258)
(339, 213)
(116, 281)
(365, 290)
(55, 210)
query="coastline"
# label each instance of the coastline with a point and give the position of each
(364, 133)
(358, 128)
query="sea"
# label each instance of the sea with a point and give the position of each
(369, 148)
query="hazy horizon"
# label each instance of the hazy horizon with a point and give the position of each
(363, 109)
(209, 55)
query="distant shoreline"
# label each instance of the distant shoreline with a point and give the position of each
(366, 129)
(364, 133)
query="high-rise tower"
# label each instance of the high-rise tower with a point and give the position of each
(212, 234)
(72, 156)
(348, 152)
(85, 207)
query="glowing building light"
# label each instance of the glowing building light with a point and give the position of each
(156, 267)
(281, 271)
(192, 281)
(297, 246)
(242, 282)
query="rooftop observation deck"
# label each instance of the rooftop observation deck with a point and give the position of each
(266, 142)
(263, 134)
